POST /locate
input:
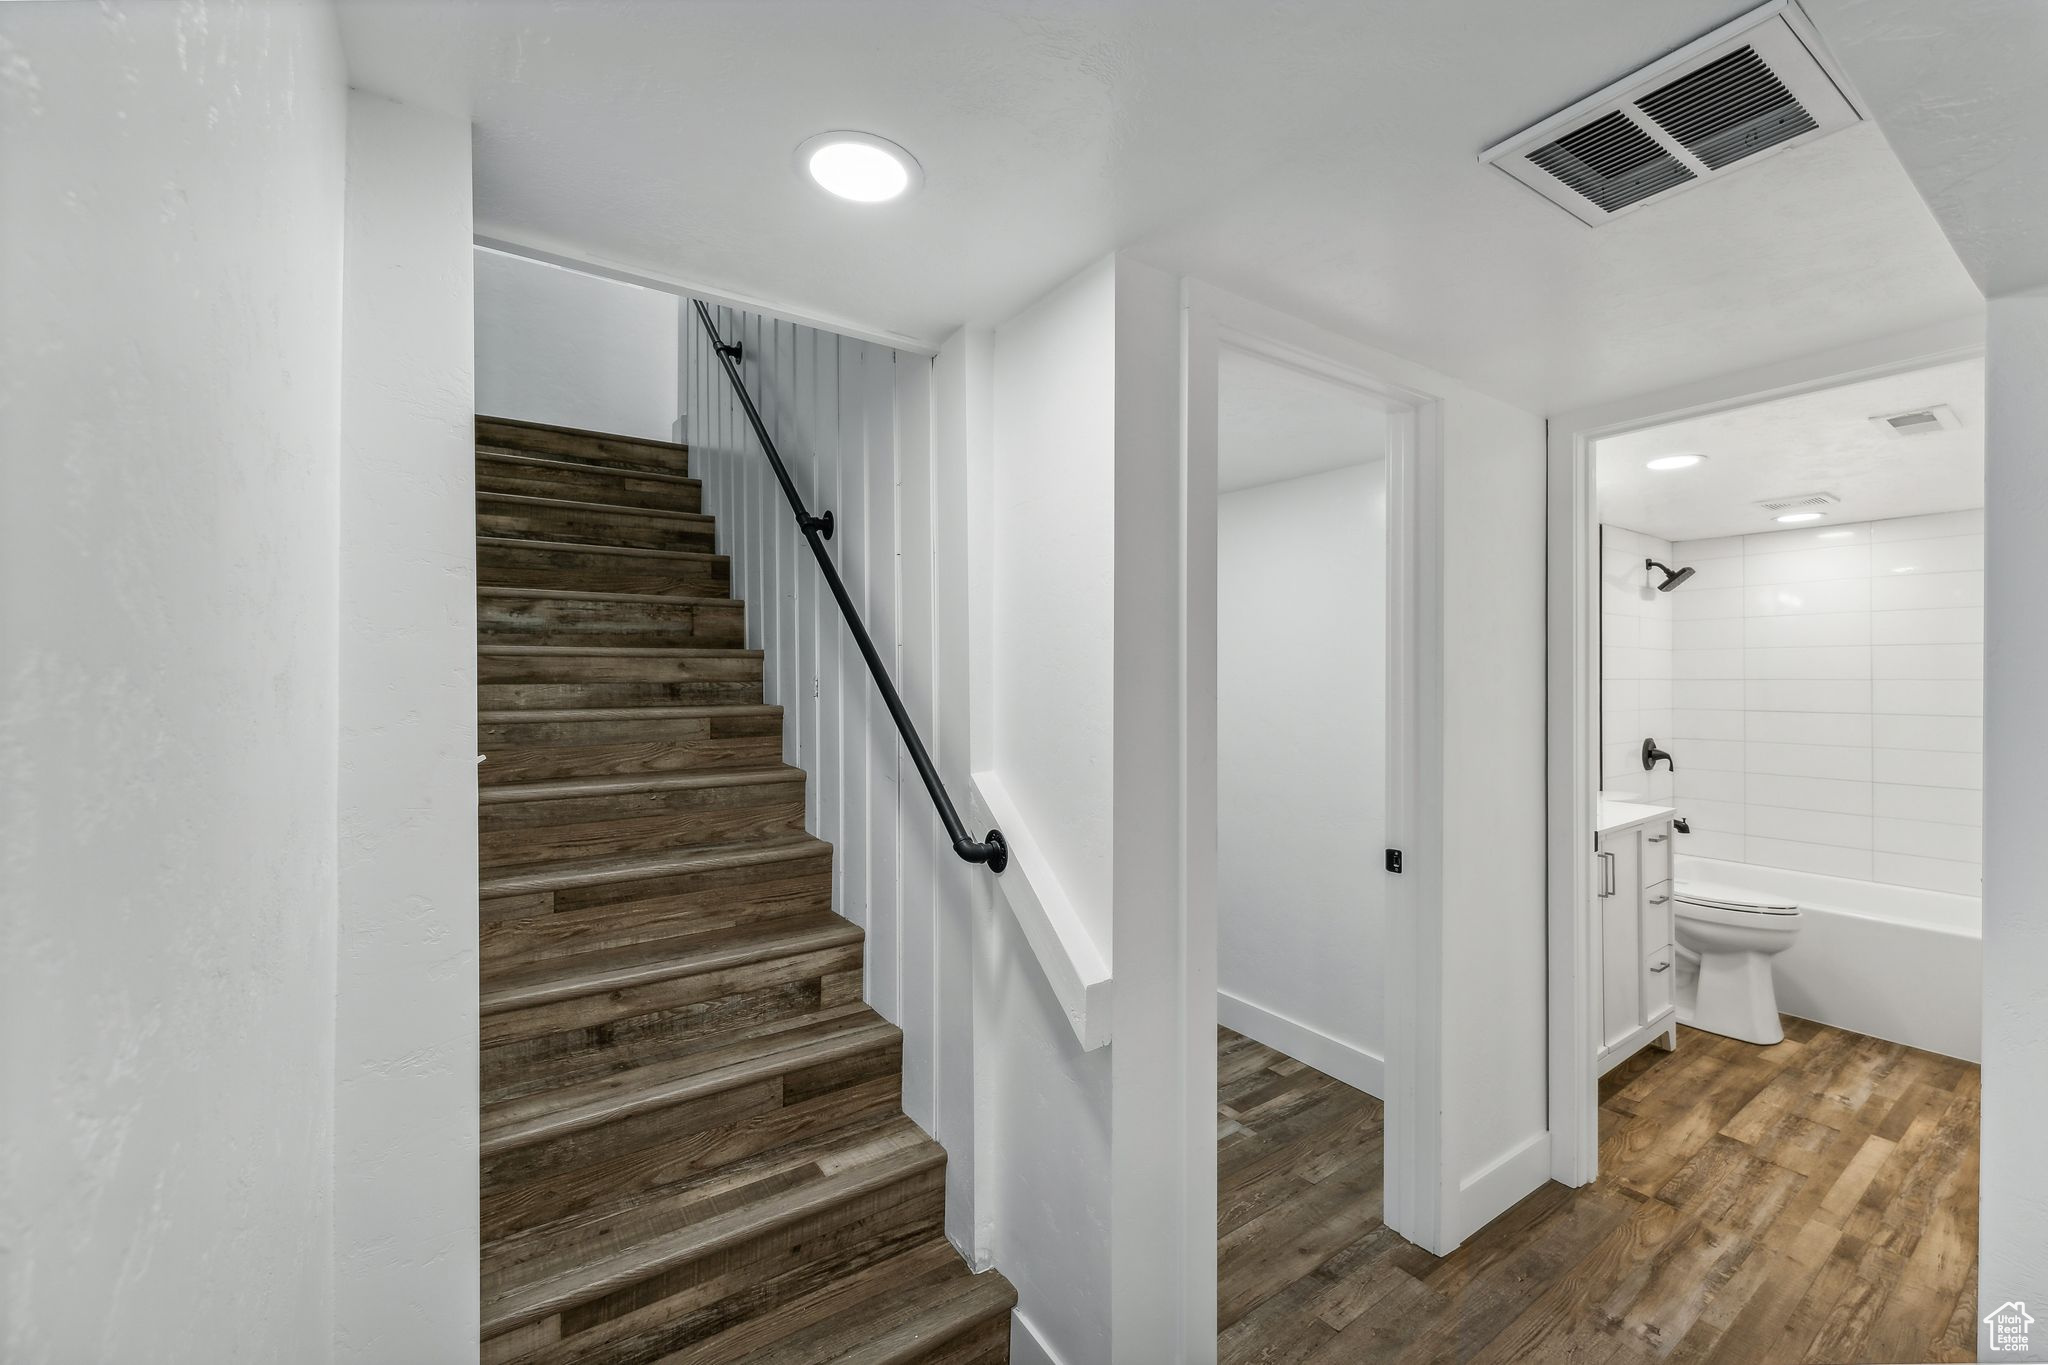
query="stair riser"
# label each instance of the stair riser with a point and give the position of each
(517, 566)
(558, 682)
(589, 484)
(747, 1284)
(752, 1280)
(988, 1344)
(622, 748)
(518, 931)
(530, 1185)
(519, 833)
(579, 621)
(686, 1010)
(586, 526)
(581, 448)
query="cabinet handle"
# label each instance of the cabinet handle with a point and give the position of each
(1606, 874)
(1660, 967)
(1658, 838)
(1659, 900)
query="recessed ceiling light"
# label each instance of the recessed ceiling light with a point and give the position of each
(1800, 516)
(1675, 462)
(859, 166)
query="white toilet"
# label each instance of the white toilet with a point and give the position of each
(1733, 935)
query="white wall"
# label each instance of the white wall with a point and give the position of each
(1301, 739)
(1043, 502)
(1054, 500)
(1636, 625)
(559, 346)
(2013, 1204)
(1493, 793)
(171, 303)
(405, 1023)
(1830, 699)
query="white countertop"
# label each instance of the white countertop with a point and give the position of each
(1613, 815)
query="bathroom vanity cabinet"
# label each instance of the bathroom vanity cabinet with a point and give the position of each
(1632, 922)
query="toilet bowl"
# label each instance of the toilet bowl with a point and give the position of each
(1733, 936)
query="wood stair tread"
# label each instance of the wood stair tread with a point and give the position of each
(580, 548)
(640, 866)
(619, 651)
(506, 455)
(898, 1328)
(791, 1046)
(581, 505)
(570, 788)
(573, 715)
(545, 1270)
(586, 595)
(610, 437)
(663, 959)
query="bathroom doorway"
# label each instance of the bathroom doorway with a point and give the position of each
(1766, 753)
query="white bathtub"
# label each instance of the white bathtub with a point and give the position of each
(1890, 961)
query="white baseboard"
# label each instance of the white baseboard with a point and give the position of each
(1026, 1346)
(1357, 1067)
(1488, 1193)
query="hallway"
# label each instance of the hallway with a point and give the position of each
(1809, 1202)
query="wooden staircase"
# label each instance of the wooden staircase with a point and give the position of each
(694, 1149)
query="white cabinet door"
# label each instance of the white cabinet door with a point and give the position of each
(1620, 920)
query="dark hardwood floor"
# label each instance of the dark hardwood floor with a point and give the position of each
(1810, 1202)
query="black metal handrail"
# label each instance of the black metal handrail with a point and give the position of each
(817, 530)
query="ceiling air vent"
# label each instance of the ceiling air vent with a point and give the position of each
(1799, 502)
(1921, 421)
(1754, 86)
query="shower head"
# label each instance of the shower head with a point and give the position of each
(1672, 577)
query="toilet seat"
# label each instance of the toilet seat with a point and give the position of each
(1705, 897)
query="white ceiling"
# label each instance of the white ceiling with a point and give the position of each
(1815, 442)
(1319, 154)
(1968, 118)
(1274, 422)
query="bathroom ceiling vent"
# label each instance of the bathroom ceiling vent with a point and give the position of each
(1799, 502)
(1921, 421)
(1754, 86)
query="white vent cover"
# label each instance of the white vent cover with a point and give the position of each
(1749, 88)
(1921, 421)
(1799, 502)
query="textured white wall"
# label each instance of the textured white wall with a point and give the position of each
(406, 1023)
(170, 292)
(575, 350)
(2014, 1189)
(1301, 651)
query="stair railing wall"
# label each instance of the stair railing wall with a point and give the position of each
(817, 528)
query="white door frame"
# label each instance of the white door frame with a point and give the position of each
(1574, 673)
(1419, 1191)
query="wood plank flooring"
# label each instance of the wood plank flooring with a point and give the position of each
(1812, 1203)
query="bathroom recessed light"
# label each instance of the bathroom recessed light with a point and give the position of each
(1791, 517)
(859, 166)
(1675, 462)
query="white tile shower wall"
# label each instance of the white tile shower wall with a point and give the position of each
(1636, 624)
(1828, 699)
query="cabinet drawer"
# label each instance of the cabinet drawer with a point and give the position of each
(1657, 973)
(1656, 854)
(1654, 931)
